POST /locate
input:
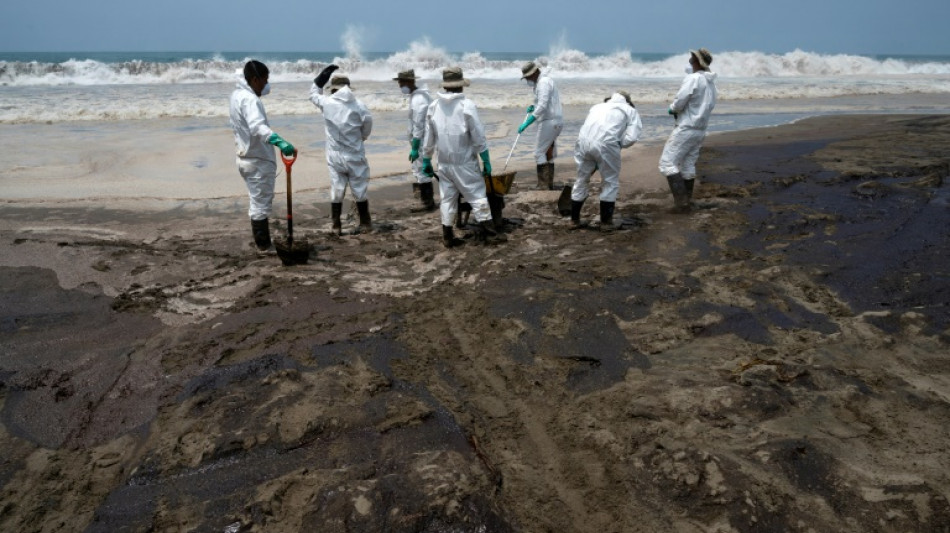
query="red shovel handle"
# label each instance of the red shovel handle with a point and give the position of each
(289, 161)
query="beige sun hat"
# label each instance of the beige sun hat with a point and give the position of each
(406, 75)
(339, 82)
(452, 78)
(529, 69)
(702, 56)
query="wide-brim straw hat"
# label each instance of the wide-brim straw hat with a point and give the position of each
(452, 78)
(339, 82)
(406, 75)
(529, 69)
(703, 57)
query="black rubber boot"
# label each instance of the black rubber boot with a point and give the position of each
(496, 203)
(607, 216)
(261, 231)
(548, 176)
(366, 223)
(336, 209)
(689, 189)
(542, 182)
(487, 234)
(448, 238)
(463, 213)
(680, 196)
(576, 214)
(426, 196)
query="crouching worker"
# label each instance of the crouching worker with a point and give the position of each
(610, 126)
(348, 123)
(255, 143)
(455, 131)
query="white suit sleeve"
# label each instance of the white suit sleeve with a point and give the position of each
(419, 108)
(543, 98)
(475, 129)
(256, 123)
(428, 142)
(632, 133)
(685, 93)
(316, 96)
(367, 127)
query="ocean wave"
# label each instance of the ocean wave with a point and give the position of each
(428, 60)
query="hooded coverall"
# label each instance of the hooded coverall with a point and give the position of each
(348, 124)
(453, 128)
(693, 104)
(609, 127)
(255, 157)
(419, 102)
(550, 118)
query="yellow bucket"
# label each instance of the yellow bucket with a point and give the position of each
(500, 183)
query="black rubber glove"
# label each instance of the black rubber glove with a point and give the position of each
(324, 75)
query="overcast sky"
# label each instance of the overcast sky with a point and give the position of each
(825, 26)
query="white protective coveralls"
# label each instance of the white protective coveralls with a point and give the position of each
(348, 124)
(609, 127)
(693, 104)
(255, 157)
(453, 128)
(549, 116)
(419, 102)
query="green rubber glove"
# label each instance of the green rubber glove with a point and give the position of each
(414, 153)
(285, 147)
(527, 122)
(427, 167)
(530, 109)
(671, 112)
(486, 164)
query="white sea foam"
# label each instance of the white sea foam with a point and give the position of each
(87, 89)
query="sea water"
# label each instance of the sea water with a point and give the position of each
(154, 125)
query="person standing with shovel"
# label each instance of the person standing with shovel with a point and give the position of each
(254, 141)
(547, 112)
(348, 124)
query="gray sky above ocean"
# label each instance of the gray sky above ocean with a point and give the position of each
(870, 27)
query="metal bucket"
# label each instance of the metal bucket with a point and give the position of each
(500, 183)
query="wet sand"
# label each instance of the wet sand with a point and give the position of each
(775, 360)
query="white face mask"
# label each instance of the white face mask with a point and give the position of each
(689, 69)
(530, 83)
(405, 90)
(266, 90)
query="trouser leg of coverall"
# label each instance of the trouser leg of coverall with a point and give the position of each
(586, 164)
(465, 181)
(259, 176)
(354, 174)
(681, 152)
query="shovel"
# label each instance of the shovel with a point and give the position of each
(291, 252)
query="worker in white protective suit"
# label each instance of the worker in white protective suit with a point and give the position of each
(455, 131)
(691, 109)
(419, 100)
(255, 141)
(348, 123)
(547, 112)
(609, 127)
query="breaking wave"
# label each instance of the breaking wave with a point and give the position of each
(428, 60)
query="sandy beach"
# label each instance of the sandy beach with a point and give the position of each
(774, 361)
